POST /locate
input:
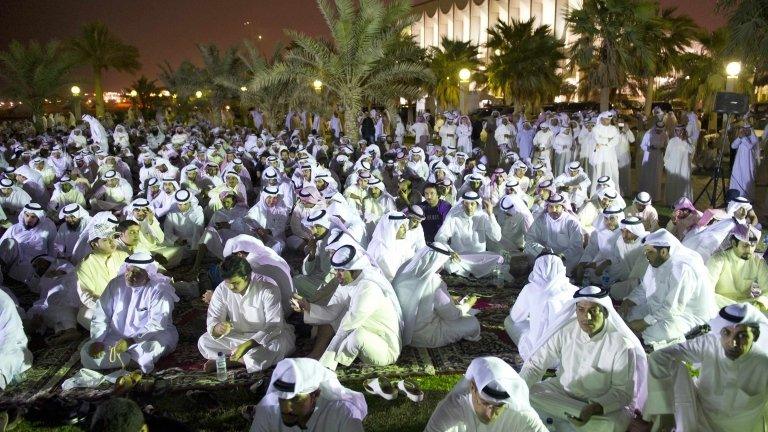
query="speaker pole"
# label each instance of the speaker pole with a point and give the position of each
(716, 180)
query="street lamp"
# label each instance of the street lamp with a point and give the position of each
(317, 85)
(165, 93)
(198, 94)
(243, 88)
(75, 90)
(464, 75)
(133, 93)
(732, 71)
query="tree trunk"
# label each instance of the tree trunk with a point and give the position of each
(650, 90)
(351, 103)
(605, 98)
(98, 92)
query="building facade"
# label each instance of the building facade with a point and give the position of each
(469, 20)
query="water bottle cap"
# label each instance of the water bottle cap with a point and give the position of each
(549, 420)
(221, 354)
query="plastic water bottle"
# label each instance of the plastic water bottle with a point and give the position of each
(221, 367)
(550, 424)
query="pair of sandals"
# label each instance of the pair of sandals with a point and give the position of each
(388, 390)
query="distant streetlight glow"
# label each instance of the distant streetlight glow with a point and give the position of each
(497, 51)
(243, 88)
(733, 69)
(133, 93)
(75, 90)
(317, 85)
(198, 94)
(165, 93)
(464, 75)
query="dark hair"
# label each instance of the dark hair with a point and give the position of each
(124, 225)
(118, 415)
(755, 330)
(429, 185)
(234, 265)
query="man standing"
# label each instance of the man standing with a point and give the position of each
(653, 144)
(132, 320)
(743, 172)
(245, 320)
(491, 398)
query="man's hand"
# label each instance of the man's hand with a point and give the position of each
(150, 216)
(455, 258)
(221, 329)
(241, 349)
(207, 296)
(299, 304)
(625, 306)
(590, 410)
(637, 326)
(488, 206)
(96, 350)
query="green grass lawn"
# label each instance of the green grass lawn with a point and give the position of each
(399, 415)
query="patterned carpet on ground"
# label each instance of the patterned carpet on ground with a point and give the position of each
(182, 369)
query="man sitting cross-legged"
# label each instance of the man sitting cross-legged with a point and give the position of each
(132, 320)
(245, 320)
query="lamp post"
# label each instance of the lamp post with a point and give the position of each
(75, 90)
(464, 75)
(317, 85)
(732, 71)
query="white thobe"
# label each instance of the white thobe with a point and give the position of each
(18, 246)
(369, 326)
(578, 187)
(315, 274)
(256, 315)
(673, 298)
(448, 135)
(677, 163)
(505, 136)
(329, 415)
(649, 216)
(534, 310)
(66, 239)
(728, 395)
(273, 219)
(59, 302)
(743, 173)
(143, 314)
(563, 236)
(13, 203)
(464, 138)
(563, 146)
(61, 199)
(624, 158)
(184, 226)
(15, 358)
(598, 369)
(420, 131)
(468, 236)
(455, 413)
(543, 144)
(603, 159)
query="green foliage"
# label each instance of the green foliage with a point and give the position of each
(525, 70)
(102, 50)
(367, 58)
(147, 92)
(748, 24)
(32, 73)
(445, 63)
(611, 42)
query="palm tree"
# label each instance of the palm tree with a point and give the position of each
(34, 73)
(100, 49)
(147, 92)
(367, 58)
(748, 24)
(446, 62)
(183, 81)
(702, 74)
(610, 41)
(218, 71)
(668, 37)
(524, 62)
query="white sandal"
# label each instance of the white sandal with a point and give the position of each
(380, 386)
(411, 390)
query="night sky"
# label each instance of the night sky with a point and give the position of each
(169, 29)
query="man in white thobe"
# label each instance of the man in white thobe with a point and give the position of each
(15, 358)
(675, 296)
(574, 183)
(364, 312)
(558, 230)
(603, 159)
(245, 320)
(737, 273)
(76, 220)
(184, 224)
(745, 164)
(316, 283)
(491, 397)
(12, 199)
(304, 395)
(642, 207)
(601, 369)
(467, 231)
(541, 299)
(431, 317)
(625, 262)
(731, 391)
(33, 235)
(132, 320)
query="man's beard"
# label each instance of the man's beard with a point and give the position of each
(73, 225)
(29, 227)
